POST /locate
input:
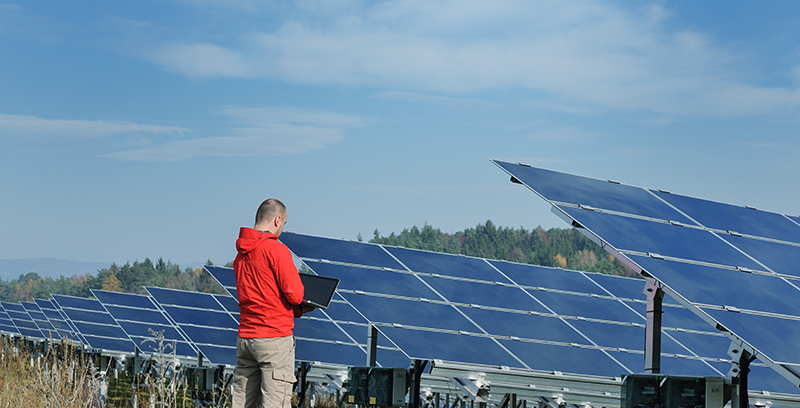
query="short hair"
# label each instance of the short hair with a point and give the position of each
(269, 209)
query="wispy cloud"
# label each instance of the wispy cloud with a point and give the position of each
(32, 128)
(587, 52)
(256, 132)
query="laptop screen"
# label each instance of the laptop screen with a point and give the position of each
(318, 289)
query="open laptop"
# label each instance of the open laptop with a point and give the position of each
(318, 290)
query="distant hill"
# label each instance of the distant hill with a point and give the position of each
(47, 267)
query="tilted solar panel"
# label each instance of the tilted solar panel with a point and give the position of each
(204, 320)
(733, 266)
(23, 321)
(95, 324)
(7, 326)
(60, 321)
(41, 320)
(137, 315)
(457, 305)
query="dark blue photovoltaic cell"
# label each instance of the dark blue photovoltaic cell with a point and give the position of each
(184, 298)
(306, 246)
(611, 335)
(392, 358)
(525, 326)
(340, 311)
(623, 287)
(410, 313)
(359, 333)
(450, 347)
(94, 329)
(138, 315)
(586, 306)
(566, 188)
(78, 303)
(765, 378)
(704, 345)
(728, 217)
(229, 303)
(763, 332)
(446, 264)
(742, 290)
(77, 315)
(678, 316)
(124, 299)
(485, 294)
(346, 354)
(374, 280)
(320, 330)
(220, 355)
(781, 258)
(564, 358)
(225, 276)
(110, 344)
(201, 336)
(233, 293)
(632, 234)
(551, 278)
(201, 317)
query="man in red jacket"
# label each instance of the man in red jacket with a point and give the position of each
(270, 293)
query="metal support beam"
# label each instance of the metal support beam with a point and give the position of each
(652, 339)
(415, 375)
(301, 383)
(372, 345)
(741, 367)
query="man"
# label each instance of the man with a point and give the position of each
(270, 292)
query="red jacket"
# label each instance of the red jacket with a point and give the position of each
(268, 285)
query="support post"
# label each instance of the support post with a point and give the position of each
(741, 368)
(372, 345)
(301, 382)
(415, 374)
(652, 339)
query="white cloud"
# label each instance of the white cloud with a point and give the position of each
(587, 52)
(21, 127)
(262, 132)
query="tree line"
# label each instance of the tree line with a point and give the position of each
(556, 247)
(129, 278)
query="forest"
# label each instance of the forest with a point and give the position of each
(555, 247)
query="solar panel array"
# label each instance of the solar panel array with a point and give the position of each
(733, 266)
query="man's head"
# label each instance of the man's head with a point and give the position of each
(271, 216)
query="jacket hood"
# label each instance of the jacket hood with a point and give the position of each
(250, 239)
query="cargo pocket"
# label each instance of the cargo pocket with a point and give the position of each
(284, 374)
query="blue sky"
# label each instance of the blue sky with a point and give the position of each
(133, 129)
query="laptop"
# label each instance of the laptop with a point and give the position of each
(318, 290)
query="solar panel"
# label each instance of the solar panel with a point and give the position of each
(41, 321)
(95, 324)
(6, 324)
(60, 321)
(455, 305)
(733, 266)
(225, 277)
(137, 315)
(23, 321)
(204, 320)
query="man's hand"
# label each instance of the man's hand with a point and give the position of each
(305, 308)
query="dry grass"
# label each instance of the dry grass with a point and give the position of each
(57, 378)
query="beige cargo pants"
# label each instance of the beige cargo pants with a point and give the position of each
(264, 373)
